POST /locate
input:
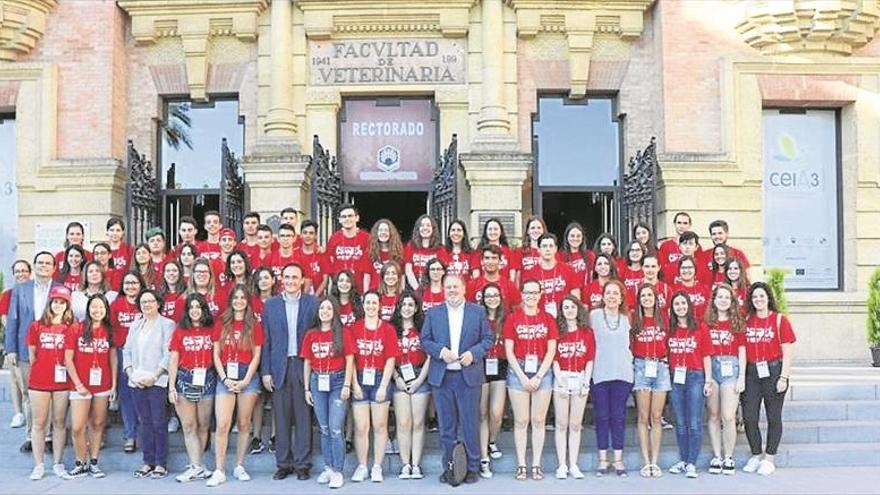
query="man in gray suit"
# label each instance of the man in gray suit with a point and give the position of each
(26, 304)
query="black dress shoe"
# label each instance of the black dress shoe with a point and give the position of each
(302, 474)
(472, 477)
(282, 473)
(25, 447)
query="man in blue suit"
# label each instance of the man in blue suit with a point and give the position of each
(456, 335)
(286, 318)
(26, 304)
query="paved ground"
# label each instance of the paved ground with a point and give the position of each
(784, 481)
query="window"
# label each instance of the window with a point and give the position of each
(577, 142)
(801, 197)
(9, 195)
(204, 125)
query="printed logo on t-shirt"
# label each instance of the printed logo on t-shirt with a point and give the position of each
(196, 343)
(651, 334)
(721, 337)
(578, 265)
(51, 341)
(99, 346)
(410, 342)
(347, 253)
(127, 318)
(531, 332)
(367, 347)
(697, 298)
(552, 285)
(755, 335)
(421, 259)
(347, 319)
(571, 349)
(685, 345)
(322, 350)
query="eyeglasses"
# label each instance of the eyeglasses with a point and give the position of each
(492, 296)
(531, 293)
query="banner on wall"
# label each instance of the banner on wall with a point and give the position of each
(801, 197)
(388, 144)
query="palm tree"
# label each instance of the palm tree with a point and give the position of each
(176, 128)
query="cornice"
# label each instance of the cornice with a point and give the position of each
(22, 24)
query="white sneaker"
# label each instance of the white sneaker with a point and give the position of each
(562, 472)
(17, 421)
(217, 478)
(59, 471)
(192, 473)
(678, 467)
(575, 472)
(360, 474)
(715, 465)
(405, 472)
(376, 474)
(391, 447)
(485, 469)
(336, 480)
(173, 424)
(752, 465)
(690, 471)
(38, 472)
(494, 453)
(416, 473)
(324, 477)
(766, 468)
(240, 474)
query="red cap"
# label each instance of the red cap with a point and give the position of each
(227, 232)
(59, 292)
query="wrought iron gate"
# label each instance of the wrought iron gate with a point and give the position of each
(231, 190)
(443, 198)
(640, 190)
(326, 190)
(141, 196)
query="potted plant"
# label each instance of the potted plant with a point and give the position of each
(873, 323)
(776, 281)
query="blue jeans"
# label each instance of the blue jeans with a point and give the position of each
(687, 402)
(126, 401)
(330, 410)
(154, 423)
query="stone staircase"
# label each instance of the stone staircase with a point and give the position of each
(832, 418)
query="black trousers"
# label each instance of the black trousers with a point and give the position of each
(292, 415)
(763, 390)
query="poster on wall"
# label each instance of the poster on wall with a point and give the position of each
(388, 143)
(801, 197)
(9, 195)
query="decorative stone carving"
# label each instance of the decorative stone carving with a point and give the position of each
(797, 26)
(195, 22)
(22, 24)
(323, 20)
(579, 21)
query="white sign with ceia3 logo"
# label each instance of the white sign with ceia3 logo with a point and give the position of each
(387, 61)
(801, 197)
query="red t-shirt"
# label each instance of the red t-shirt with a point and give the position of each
(497, 349)
(530, 258)
(278, 261)
(431, 299)
(376, 268)
(72, 281)
(122, 315)
(373, 348)
(346, 314)
(121, 256)
(4, 302)
(509, 292)
(724, 341)
(651, 342)
(583, 267)
(530, 334)
(114, 279)
(169, 304)
(49, 342)
(59, 259)
(317, 349)
(459, 264)
(257, 305)
(233, 350)
(419, 257)
(664, 297)
(387, 305)
(555, 284)
(700, 296)
(209, 250)
(510, 260)
(764, 337)
(410, 348)
(216, 304)
(316, 265)
(350, 253)
(688, 347)
(575, 349)
(252, 251)
(592, 294)
(705, 258)
(631, 279)
(195, 347)
(95, 354)
(669, 252)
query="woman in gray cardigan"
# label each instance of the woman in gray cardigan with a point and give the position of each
(145, 362)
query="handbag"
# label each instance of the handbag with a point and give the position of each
(456, 470)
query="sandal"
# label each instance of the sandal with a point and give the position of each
(602, 468)
(521, 474)
(144, 471)
(620, 469)
(537, 473)
(159, 472)
(647, 471)
(658, 473)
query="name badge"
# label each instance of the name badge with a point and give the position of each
(60, 373)
(199, 376)
(531, 363)
(323, 382)
(232, 371)
(369, 377)
(726, 369)
(574, 381)
(651, 366)
(763, 369)
(550, 309)
(680, 375)
(492, 366)
(95, 375)
(407, 372)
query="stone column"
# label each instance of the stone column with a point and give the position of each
(281, 121)
(493, 124)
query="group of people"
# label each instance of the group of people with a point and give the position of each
(367, 323)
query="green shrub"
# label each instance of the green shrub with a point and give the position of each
(776, 281)
(873, 324)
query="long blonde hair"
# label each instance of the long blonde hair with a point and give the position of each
(227, 318)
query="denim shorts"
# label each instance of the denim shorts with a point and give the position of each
(370, 390)
(513, 382)
(253, 387)
(716, 370)
(424, 388)
(661, 383)
(195, 393)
